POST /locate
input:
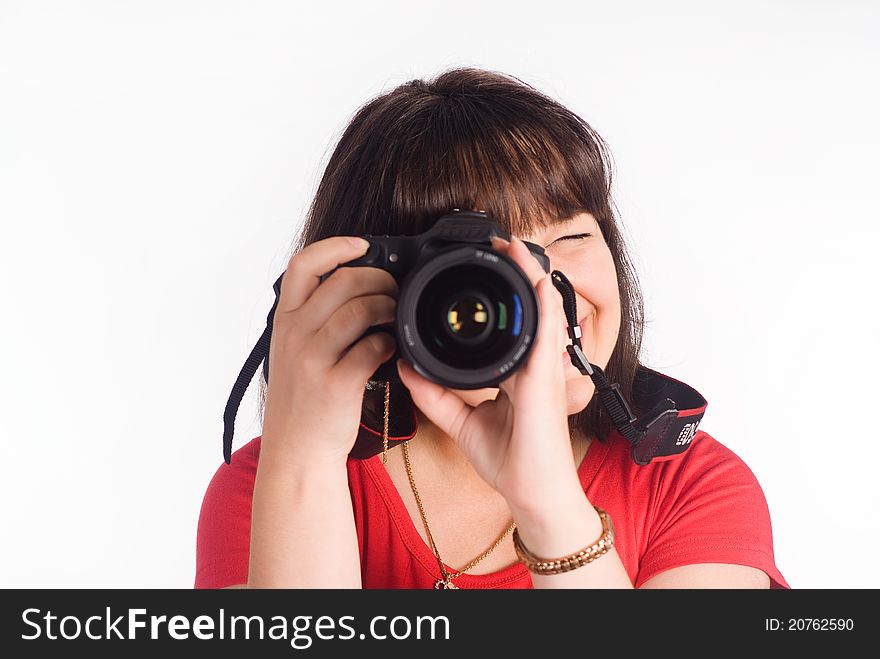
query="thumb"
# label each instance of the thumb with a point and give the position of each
(445, 410)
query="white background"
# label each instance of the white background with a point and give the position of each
(156, 159)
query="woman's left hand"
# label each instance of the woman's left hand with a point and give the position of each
(519, 442)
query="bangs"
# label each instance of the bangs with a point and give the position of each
(526, 171)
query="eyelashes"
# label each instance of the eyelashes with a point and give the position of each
(576, 236)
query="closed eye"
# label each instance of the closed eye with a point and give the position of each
(576, 236)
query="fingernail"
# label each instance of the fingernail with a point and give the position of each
(360, 243)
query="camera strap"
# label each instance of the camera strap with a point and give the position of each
(259, 353)
(665, 429)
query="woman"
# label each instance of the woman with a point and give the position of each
(477, 488)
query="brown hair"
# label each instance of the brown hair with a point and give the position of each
(479, 140)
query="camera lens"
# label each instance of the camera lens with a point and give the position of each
(467, 318)
(462, 316)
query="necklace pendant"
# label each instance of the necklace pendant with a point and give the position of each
(442, 584)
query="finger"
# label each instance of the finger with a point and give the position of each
(341, 288)
(546, 354)
(365, 356)
(527, 262)
(499, 243)
(540, 384)
(446, 410)
(306, 267)
(545, 358)
(550, 307)
(520, 254)
(350, 321)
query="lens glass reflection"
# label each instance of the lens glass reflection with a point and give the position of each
(469, 317)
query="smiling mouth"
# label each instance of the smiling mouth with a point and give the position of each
(580, 324)
(565, 356)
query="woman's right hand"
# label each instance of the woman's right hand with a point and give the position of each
(318, 362)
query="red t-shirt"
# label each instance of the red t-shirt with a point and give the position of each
(702, 506)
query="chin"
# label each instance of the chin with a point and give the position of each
(579, 392)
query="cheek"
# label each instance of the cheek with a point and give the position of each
(607, 321)
(599, 285)
(594, 278)
(579, 390)
(592, 273)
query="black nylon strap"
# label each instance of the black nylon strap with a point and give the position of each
(259, 353)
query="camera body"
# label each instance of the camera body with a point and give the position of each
(467, 315)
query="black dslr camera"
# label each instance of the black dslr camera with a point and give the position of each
(467, 315)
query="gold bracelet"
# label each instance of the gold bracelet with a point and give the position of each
(573, 561)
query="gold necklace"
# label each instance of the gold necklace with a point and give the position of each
(445, 582)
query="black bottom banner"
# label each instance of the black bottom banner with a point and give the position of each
(101, 623)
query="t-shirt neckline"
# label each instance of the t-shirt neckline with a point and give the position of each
(421, 551)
